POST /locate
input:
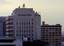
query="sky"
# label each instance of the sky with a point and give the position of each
(51, 11)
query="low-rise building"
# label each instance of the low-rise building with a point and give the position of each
(51, 34)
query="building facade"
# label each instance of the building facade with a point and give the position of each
(10, 33)
(51, 34)
(26, 23)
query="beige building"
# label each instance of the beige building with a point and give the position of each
(51, 34)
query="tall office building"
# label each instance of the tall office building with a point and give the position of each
(2, 26)
(26, 23)
(51, 34)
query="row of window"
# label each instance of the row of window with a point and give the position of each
(25, 23)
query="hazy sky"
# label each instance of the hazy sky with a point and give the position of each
(52, 11)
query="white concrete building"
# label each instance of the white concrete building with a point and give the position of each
(26, 23)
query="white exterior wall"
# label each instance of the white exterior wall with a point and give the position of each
(26, 23)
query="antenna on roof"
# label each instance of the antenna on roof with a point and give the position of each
(19, 7)
(23, 6)
(20, 4)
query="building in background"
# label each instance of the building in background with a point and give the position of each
(4, 41)
(2, 27)
(26, 23)
(51, 34)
